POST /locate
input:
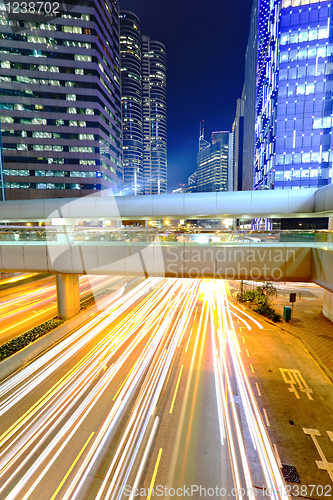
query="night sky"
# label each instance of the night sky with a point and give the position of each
(206, 43)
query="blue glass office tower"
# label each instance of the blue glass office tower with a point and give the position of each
(293, 128)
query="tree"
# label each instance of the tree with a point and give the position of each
(267, 289)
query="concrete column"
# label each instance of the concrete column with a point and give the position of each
(330, 223)
(328, 305)
(68, 295)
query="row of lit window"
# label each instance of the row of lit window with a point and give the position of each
(39, 26)
(48, 135)
(301, 89)
(52, 173)
(289, 175)
(304, 53)
(48, 147)
(305, 35)
(36, 81)
(42, 121)
(40, 107)
(49, 185)
(309, 157)
(301, 71)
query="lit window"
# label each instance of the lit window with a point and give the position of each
(71, 110)
(89, 111)
(81, 57)
(79, 71)
(71, 97)
(5, 64)
(86, 137)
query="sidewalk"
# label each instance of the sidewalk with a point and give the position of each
(309, 324)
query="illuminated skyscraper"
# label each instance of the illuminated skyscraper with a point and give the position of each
(212, 162)
(60, 100)
(131, 100)
(154, 116)
(294, 111)
(143, 80)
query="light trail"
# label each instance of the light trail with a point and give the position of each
(123, 359)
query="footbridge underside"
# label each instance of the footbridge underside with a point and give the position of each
(275, 262)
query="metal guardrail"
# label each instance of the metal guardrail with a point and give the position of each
(82, 236)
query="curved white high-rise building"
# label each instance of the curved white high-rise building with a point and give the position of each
(131, 101)
(144, 109)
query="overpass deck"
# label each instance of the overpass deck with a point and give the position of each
(273, 256)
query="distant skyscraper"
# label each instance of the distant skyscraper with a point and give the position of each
(294, 111)
(212, 162)
(60, 101)
(154, 116)
(144, 107)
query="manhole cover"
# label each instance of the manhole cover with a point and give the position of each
(290, 473)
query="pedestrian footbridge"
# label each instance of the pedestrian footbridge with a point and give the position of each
(66, 248)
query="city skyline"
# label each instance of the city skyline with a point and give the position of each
(205, 61)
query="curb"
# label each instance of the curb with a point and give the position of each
(18, 360)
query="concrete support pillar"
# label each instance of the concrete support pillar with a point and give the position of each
(330, 223)
(328, 305)
(68, 295)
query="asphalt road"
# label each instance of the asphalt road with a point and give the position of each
(29, 305)
(150, 392)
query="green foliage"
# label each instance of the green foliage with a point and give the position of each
(268, 312)
(260, 298)
(248, 295)
(27, 338)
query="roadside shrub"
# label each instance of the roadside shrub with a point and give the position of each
(28, 337)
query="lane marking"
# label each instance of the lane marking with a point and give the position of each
(72, 467)
(188, 340)
(252, 368)
(154, 474)
(243, 340)
(266, 418)
(258, 390)
(176, 390)
(247, 352)
(195, 314)
(122, 385)
(277, 456)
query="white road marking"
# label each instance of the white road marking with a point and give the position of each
(258, 390)
(322, 464)
(294, 377)
(277, 456)
(266, 418)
